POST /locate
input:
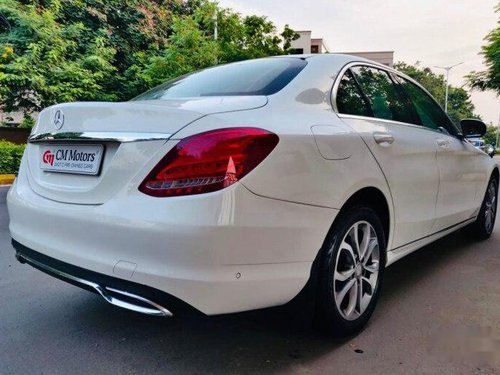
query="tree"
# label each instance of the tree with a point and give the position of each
(43, 62)
(133, 29)
(288, 36)
(491, 135)
(67, 50)
(490, 78)
(55, 51)
(460, 105)
(189, 49)
(192, 46)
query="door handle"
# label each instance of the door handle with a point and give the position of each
(383, 139)
(443, 143)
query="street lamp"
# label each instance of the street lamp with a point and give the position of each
(447, 68)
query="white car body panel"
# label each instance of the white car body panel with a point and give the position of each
(253, 244)
(463, 177)
(414, 194)
(193, 254)
(164, 118)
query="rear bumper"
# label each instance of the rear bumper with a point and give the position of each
(118, 292)
(219, 253)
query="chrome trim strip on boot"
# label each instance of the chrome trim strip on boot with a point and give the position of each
(122, 137)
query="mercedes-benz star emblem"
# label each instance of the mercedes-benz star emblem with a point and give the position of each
(58, 119)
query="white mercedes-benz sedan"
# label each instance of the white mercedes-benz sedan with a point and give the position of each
(237, 187)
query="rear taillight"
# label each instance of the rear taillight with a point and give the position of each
(209, 161)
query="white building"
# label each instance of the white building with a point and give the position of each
(11, 117)
(306, 44)
(382, 57)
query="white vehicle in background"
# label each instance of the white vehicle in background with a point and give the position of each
(235, 187)
(490, 150)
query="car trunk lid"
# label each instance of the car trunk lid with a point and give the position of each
(84, 153)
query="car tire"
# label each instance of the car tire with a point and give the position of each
(485, 222)
(344, 274)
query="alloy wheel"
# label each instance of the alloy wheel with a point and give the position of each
(490, 206)
(356, 270)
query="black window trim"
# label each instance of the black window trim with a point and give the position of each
(403, 95)
(389, 71)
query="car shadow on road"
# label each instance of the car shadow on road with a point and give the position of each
(407, 272)
(273, 339)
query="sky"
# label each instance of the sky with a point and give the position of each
(433, 32)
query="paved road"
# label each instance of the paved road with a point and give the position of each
(439, 314)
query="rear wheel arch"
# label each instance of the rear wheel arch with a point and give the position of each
(375, 199)
(371, 197)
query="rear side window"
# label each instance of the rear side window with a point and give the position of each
(385, 100)
(254, 77)
(350, 98)
(430, 113)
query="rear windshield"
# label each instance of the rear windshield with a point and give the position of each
(254, 77)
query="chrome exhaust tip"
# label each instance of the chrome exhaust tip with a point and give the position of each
(131, 301)
(116, 297)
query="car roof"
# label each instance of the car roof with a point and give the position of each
(335, 57)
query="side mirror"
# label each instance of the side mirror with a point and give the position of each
(472, 128)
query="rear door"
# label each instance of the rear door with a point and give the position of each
(369, 101)
(458, 161)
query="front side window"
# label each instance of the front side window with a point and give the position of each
(385, 100)
(254, 77)
(430, 113)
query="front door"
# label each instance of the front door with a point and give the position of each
(460, 177)
(458, 162)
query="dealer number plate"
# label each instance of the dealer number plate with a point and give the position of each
(77, 159)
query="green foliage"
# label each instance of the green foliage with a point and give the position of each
(288, 36)
(460, 105)
(46, 64)
(10, 157)
(55, 51)
(489, 79)
(192, 46)
(189, 49)
(27, 122)
(491, 135)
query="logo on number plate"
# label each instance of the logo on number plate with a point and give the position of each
(58, 120)
(48, 157)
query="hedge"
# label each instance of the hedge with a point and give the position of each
(10, 157)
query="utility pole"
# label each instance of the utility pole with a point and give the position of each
(216, 26)
(447, 68)
(216, 34)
